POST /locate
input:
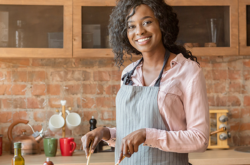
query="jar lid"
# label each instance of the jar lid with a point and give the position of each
(17, 145)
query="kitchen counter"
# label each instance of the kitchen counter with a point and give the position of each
(209, 157)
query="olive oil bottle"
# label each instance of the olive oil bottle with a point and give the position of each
(17, 159)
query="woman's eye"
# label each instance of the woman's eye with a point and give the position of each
(131, 27)
(146, 23)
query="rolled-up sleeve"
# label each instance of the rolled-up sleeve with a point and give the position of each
(196, 136)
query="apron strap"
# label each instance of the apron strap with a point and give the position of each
(126, 78)
(158, 81)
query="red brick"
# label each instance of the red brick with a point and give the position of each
(234, 75)
(43, 62)
(39, 116)
(108, 115)
(92, 89)
(20, 115)
(105, 102)
(235, 113)
(53, 89)
(246, 74)
(87, 102)
(233, 101)
(38, 89)
(16, 103)
(16, 89)
(6, 117)
(220, 87)
(75, 75)
(208, 74)
(205, 64)
(56, 102)
(3, 89)
(10, 62)
(221, 100)
(105, 63)
(246, 63)
(72, 89)
(235, 87)
(17, 76)
(57, 76)
(116, 75)
(244, 126)
(86, 63)
(211, 101)
(36, 76)
(35, 103)
(88, 115)
(235, 63)
(86, 76)
(102, 76)
(219, 74)
(112, 89)
(234, 126)
(219, 65)
(245, 112)
(209, 87)
(246, 100)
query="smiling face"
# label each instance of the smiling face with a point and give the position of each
(143, 30)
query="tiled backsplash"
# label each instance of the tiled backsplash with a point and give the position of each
(31, 89)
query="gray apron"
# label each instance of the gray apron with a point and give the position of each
(136, 108)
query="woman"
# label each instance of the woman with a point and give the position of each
(162, 102)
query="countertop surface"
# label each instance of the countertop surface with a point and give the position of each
(209, 157)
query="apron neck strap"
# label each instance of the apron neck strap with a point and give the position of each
(158, 81)
(127, 77)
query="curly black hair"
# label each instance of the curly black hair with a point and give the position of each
(168, 24)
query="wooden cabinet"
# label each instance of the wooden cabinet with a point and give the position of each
(208, 23)
(90, 28)
(244, 27)
(84, 26)
(40, 28)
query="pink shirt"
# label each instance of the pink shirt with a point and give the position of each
(183, 105)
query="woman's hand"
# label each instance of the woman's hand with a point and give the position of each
(131, 143)
(95, 137)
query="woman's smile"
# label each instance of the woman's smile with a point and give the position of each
(143, 40)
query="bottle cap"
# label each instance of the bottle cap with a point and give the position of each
(47, 159)
(93, 117)
(18, 145)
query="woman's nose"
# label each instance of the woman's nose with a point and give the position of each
(140, 30)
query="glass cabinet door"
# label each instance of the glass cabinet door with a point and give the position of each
(35, 29)
(90, 28)
(244, 26)
(207, 27)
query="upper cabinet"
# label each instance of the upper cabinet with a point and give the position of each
(244, 27)
(207, 27)
(36, 28)
(90, 28)
(79, 28)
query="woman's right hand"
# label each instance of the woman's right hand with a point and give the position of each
(94, 137)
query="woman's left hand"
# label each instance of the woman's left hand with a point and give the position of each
(131, 142)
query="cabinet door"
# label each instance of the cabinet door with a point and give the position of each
(36, 28)
(207, 27)
(244, 26)
(90, 28)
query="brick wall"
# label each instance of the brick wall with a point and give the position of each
(31, 89)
